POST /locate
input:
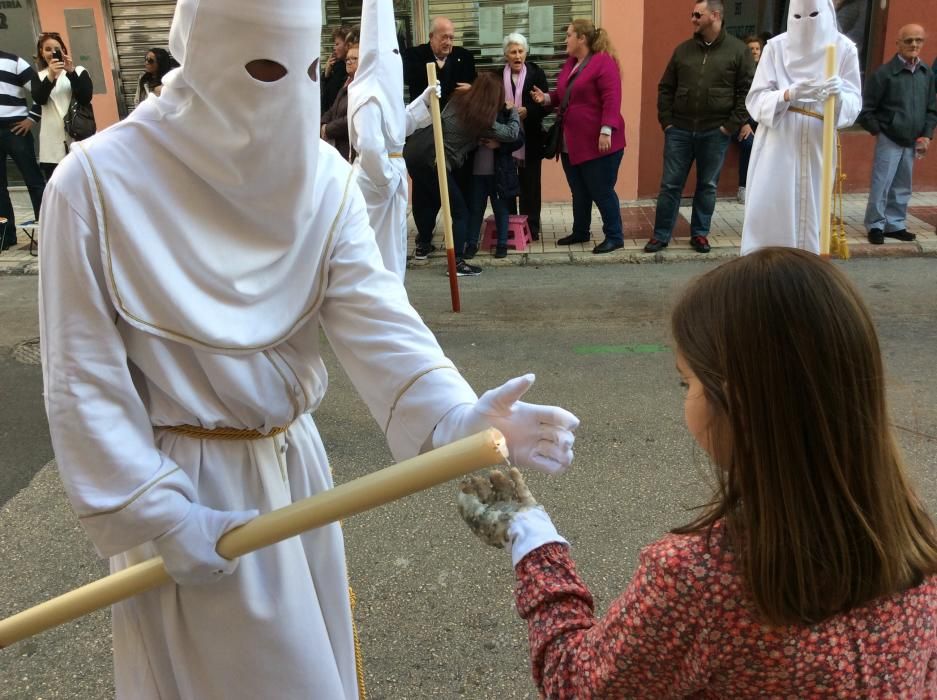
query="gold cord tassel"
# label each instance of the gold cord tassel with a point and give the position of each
(359, 659)
(839, 223)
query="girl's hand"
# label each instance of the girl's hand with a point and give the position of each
(605, 143)
(69, 65)
(55, 69)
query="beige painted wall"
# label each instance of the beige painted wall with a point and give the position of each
(52, 19)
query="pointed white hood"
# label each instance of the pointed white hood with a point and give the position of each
(811, 27)
(215, 224)
(380, 71)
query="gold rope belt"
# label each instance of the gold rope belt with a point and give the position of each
(201, 433)
(395, 155)
(807, 112)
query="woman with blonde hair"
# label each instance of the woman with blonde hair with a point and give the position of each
(588, 100)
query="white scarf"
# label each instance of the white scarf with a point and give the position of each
(515, 93)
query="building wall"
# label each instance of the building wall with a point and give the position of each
(52, 19)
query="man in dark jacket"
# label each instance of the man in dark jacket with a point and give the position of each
(900, 108)
(700, 104)
(455, 66)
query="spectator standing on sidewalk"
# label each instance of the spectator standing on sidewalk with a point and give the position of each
(899, 108)
(700, 104)
(16, 140)
(787, 100)
(745, 136)
(334, 127)
(334, 75)
(593, 131)
(53, 87)
(455, 71)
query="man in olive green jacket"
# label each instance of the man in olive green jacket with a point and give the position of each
(700, 104)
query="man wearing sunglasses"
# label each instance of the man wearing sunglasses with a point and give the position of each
(700, 104)
(900, 109)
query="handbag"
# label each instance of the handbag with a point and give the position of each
(79, 120)
(553, 135)
(419, 150)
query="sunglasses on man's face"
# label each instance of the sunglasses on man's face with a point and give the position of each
(697, 15)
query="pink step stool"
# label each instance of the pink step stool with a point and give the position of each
(518, 233)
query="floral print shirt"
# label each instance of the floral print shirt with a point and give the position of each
(686, 627)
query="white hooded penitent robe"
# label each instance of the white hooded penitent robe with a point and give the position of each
(379, 123)
(783, 196)
(182, 283)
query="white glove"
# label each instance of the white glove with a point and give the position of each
(538, 437)
(807, 91)
(188, 549)
(832, 86)
(428, 92)
(501, 511)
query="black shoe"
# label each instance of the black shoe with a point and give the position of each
(463, 269)
(423, 252)
(573, 238)
(876, 237)
(535, 235)
(700, 244)
(654, 246)
(470, 251)
(501, 251)
(902, 235)
(607, 246)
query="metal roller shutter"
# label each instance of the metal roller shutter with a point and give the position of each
(137, 26)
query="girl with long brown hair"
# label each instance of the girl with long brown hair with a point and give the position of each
(813, 569)
(468, 117)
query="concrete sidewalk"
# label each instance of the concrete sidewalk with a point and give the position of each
(638, 220)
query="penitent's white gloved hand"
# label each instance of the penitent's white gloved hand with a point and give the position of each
(188, 549)
(832, 86)
(501, 511)
(807, 91)
(538, 437)
(428, 92)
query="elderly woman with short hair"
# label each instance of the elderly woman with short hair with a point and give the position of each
(520, 77)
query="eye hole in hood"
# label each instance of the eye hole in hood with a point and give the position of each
(265, 70)
(313, 71)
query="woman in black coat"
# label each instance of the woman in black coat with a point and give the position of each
(520, 77)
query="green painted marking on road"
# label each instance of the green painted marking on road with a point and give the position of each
(638, 349)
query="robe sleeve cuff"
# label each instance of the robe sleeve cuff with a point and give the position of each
(154, 509)
(434, 392)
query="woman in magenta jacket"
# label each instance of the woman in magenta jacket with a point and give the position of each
(593, 131)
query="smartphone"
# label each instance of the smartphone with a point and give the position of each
(57, 54)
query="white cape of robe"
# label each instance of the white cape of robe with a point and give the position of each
(782, 199)
(280, 626)
(382, 177)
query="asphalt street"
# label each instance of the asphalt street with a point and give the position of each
(435, 609)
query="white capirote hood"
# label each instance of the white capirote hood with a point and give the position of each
(380, 72)
(215, 226)
(811, 27)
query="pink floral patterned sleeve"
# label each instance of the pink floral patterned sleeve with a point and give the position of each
(651, 643)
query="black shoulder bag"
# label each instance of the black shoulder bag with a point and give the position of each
(553, 136)
(79, 120)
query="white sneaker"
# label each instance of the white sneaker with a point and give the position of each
(741, 195)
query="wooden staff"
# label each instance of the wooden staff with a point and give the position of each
(829, 140)
(443, 189)
(424, 471)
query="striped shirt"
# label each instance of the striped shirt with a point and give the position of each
(15, 74)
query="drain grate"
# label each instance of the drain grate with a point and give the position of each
(27, 352)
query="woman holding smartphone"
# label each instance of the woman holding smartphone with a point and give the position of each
(57, 80)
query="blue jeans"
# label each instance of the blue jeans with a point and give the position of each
(681, 148)
(483, 189)
(891, 186)
(594, 181)
(745, 156)
(426, 203)
(23, 153)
